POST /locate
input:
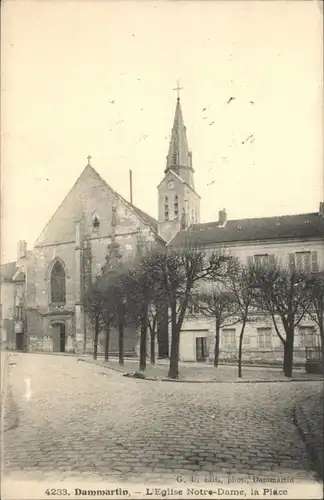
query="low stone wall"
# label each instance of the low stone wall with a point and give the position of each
(269, 357)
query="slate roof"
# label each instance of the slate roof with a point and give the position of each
(243, 230)
(8, 270)
(147, 218)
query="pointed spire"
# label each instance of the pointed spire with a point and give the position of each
(178, 155)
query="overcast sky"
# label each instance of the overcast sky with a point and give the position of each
(97, 77)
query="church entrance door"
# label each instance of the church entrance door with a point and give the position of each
(59, 337)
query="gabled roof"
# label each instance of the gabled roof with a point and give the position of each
(147, 219)
(61, 228)
(8, 270)
(172, 172)
(309, 225)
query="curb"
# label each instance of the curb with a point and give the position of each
(310, 439)
(190, 381)
(297, 367)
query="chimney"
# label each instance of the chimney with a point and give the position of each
(321, 209)
(22, 249)
(131, 187)
(222, 217)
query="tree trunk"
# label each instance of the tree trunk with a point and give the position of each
(107, 342)
(143, 339)
(174, 357)
(96, 338)
(121, 341)
(152, 348)
(240, 350)
(217, 338)
(175, 340)
(163, 331)
(321, 329)
(288, 353)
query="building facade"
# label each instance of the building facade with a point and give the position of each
(292, 240)
(42, 292)
(70, 252)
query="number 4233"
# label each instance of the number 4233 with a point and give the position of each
(56, 491)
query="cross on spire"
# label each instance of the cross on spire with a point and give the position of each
(178, 88)
(89, 158)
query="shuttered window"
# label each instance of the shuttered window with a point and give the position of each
(303, 261)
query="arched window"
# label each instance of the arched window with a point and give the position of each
(166, 208)
(176, 207)
(58, 284)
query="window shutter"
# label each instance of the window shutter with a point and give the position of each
(299, 262)
(272, 260)
(291, 262)
(314, 262)
(307, 267)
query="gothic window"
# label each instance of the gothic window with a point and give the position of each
(166, 208)
(58, 284)
(176, 207)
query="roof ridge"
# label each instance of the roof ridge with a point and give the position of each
(128, 203)
(87, 167)
(92, 170)
(259, 218)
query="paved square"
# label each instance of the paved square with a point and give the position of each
(82, 419)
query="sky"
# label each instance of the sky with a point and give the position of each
(97, 77)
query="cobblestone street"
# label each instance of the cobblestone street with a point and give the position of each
(82, 420)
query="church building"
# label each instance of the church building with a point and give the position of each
(42, 292)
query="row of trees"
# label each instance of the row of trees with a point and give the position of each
(222, 288)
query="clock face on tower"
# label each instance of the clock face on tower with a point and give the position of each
(170, 185)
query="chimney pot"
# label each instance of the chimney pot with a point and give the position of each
(222, 216)
(321, 209)
(22, 249)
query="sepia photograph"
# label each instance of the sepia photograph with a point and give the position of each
(162, 249)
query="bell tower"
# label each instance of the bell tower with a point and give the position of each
(179, 204)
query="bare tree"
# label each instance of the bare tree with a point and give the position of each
(93, 304)
(219, 304)
(137, 289)
(108, 313)
(238, 281)
(175, 273)
(315, 306)
(114, 290)
(282, 293)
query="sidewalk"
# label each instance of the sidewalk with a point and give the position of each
(309, 421)
(194, 373)
(4, 365)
